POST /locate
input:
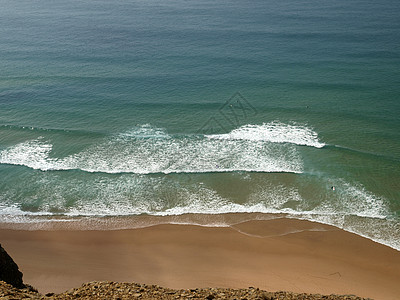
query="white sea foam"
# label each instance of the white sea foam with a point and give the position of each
(274, 132)
(146, 150)
(354, 209)
(145, 131)
(135, 195)
(33, 154)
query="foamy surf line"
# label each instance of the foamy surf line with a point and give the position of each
(274, 132)
(146, 150)
(367, 217)
(214, 213)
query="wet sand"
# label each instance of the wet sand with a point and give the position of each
(278, 254)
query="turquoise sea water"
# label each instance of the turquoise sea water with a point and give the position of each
(135, 108)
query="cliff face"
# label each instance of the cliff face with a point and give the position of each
(9, 271)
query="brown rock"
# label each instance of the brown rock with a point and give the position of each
(9, 271)
(122, 291)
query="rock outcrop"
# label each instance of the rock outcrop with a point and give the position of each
(120, 290)
(9, 271)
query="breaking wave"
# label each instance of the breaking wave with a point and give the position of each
(147, 150)
(274, 132)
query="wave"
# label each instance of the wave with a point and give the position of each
(148, 150)
(101, 195)
(364, 153)
(350, 207)
(274, 132)
(34, 129)
(45, 131)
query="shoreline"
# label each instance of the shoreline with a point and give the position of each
(128, 222)
(276, 254)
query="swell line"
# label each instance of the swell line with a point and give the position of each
(48, 130)
(362, 152)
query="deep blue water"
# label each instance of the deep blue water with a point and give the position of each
(126, 108)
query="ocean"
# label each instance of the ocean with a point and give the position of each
(118, 114)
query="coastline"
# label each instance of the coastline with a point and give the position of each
(276, 254)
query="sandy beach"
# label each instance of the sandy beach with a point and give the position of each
(278, 254)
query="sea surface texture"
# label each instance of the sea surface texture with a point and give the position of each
(165, 108)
